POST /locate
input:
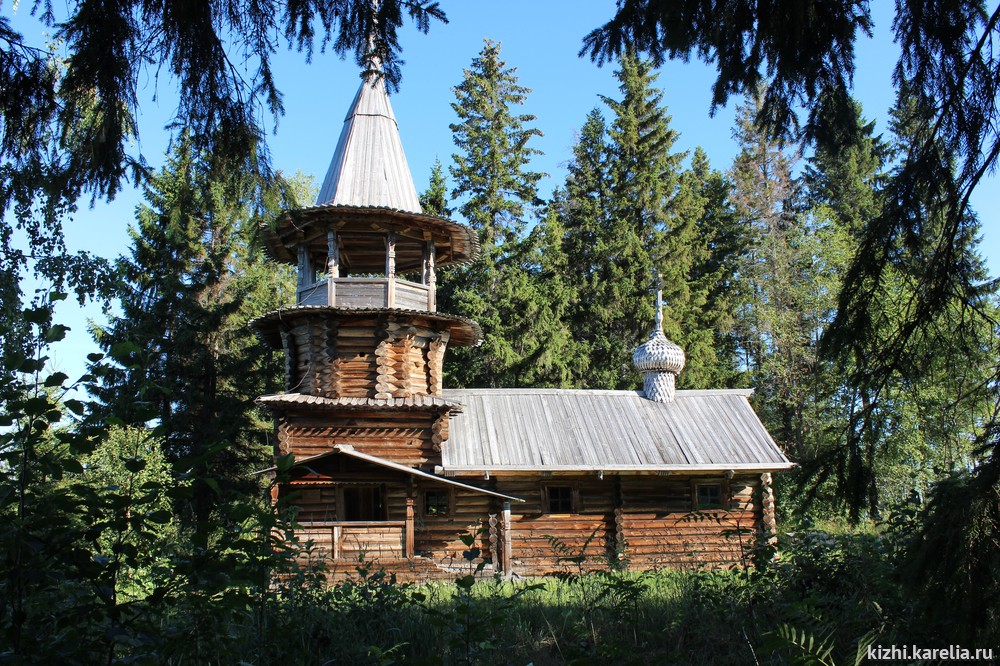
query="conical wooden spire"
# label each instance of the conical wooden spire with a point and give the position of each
(369, 167)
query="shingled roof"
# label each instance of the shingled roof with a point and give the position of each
(369, 167)
(551, 430)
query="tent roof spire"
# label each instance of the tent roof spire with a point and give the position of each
(369, 166)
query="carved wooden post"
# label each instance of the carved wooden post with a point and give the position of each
(303, 270)
(390, 269)
(508, 559)
(409, 527)
(768, 523)
(332, 266)
(621, 544)
(431, 278)
(494, 523)
(291, 358)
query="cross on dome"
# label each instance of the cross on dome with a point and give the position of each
(659, 359)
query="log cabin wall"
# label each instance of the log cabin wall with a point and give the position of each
(379, 357)
(437, 549)
(663, 526)
(636, 522)
(343, 544)
(410, 437)
(542, 541)
(640, 522)
(438, 535)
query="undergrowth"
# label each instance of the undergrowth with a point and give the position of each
(823, 600)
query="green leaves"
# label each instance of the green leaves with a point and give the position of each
(806, 648)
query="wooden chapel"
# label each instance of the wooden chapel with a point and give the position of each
(393, 468)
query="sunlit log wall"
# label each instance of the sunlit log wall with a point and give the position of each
(634, 522)
(411, 438)
(379, 357)
(638, 522)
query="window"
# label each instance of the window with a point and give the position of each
(362, 503)
(708, 496)
(559, 499)
(310, 496)
(437, 502)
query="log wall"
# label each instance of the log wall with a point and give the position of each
(663, 528)
(437, 539)
(410, 438)
(378, 357)
(638, 522)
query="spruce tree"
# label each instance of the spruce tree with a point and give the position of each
(189, 363)
(583, 211)
(434, 200)
(630, 216)
(496, 191)
(915, 397)
(775, 327)
(849, 427)
(719, 250)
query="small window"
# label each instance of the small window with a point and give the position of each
(708, 496)
(310, 496)
(559, 499)
(437, 502)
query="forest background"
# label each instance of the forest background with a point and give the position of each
(818, 267)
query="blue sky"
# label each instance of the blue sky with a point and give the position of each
(541, 39)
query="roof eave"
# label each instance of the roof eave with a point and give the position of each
(348, 450)
(479, 470)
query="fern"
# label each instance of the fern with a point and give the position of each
(807, 649)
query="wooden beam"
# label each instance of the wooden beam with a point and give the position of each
(408, 551)
(507, 558)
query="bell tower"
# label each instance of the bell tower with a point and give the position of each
(364, 341)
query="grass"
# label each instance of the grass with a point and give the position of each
(832, 590)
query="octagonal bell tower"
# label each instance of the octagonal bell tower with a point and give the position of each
(364, 335)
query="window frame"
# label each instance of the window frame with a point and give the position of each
(449, 500)
(574, 498)
(724, 500)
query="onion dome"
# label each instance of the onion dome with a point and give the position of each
(659, 359)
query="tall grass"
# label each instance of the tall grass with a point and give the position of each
(834, 591)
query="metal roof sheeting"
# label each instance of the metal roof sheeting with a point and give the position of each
(566, 430)
(369, 167)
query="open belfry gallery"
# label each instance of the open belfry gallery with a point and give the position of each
(393, 468)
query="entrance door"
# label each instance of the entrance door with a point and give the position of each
(363, 503)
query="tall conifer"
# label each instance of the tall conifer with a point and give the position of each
(775, 326)
(189, 363)
(497, 191)
(630, 215)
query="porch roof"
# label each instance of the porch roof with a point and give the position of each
(348, 450)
